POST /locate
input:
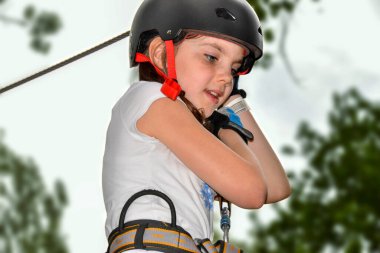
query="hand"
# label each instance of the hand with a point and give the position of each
(219, 120)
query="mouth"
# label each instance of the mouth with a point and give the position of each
(213, 96)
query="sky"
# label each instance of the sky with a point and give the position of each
(60, 120)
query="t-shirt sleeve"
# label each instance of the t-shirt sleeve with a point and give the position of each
(134, 104)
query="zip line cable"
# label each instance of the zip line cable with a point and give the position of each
(65, 62)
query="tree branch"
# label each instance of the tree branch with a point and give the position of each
(283, 53)
(282, 46)
(11, 20)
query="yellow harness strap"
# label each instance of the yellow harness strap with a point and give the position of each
(160, 236)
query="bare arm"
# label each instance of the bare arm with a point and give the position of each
(276, 180)
(236, 176)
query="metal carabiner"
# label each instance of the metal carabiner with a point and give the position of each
(225, 214)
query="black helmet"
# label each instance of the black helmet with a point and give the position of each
(233, 20)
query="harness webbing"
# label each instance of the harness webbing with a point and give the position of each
(161, 236)
(158, 235)
(152, 235)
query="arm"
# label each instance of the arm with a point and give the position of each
(276, 179)
(237, 177)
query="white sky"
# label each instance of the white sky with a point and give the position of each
(60, 120)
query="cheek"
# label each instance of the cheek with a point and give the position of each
(182, 70)
(226, 95)
(190, 74)
(228, 90)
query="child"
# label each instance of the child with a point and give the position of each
(165, 134)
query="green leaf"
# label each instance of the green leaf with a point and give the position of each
(61, 193)
(40, 45)
(288, 6)
(266, 61)
(29, 215)
(275, 9)
(288, 150)
(269, 35)
(259, 9)
(45, 24)
(29, 12)
(334, 201)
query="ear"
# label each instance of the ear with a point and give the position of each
(157, 52)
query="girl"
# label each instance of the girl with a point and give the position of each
(166, 135)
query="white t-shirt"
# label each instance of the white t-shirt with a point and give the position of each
(134, 161)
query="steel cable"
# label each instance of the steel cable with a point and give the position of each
(65, 62)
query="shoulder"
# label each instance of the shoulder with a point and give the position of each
(137, 99)
(165, 116)
(141, 91)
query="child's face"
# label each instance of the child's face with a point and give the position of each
(205, 67)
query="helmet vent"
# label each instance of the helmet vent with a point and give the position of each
(224, 13)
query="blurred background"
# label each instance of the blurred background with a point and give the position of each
(315, 94)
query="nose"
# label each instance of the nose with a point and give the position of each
(224, 77)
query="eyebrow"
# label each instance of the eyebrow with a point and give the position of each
(217, 47)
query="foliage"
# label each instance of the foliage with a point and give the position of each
(39, 24)
(42, 24)
(334, 205)
(275, 16)
(29, 215)
(272, 10)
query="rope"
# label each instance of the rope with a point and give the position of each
(65, 62)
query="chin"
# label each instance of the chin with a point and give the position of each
(208, 112)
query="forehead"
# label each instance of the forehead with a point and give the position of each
(222, 45)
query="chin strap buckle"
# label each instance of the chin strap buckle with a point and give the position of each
(170, 87)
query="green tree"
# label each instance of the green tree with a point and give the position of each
(29, 215)
(39, 24)
(335, 200)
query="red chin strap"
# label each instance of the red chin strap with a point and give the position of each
(170, 87)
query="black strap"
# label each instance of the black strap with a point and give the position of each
(236, 90)
(139, 237)
(143, 193)
(200, 245)
(219, 120)
(245, 134)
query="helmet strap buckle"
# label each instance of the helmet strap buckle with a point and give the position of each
(170, 87)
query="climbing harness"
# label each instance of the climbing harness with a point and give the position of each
(158, 235)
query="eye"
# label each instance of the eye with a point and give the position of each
(211, 58)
